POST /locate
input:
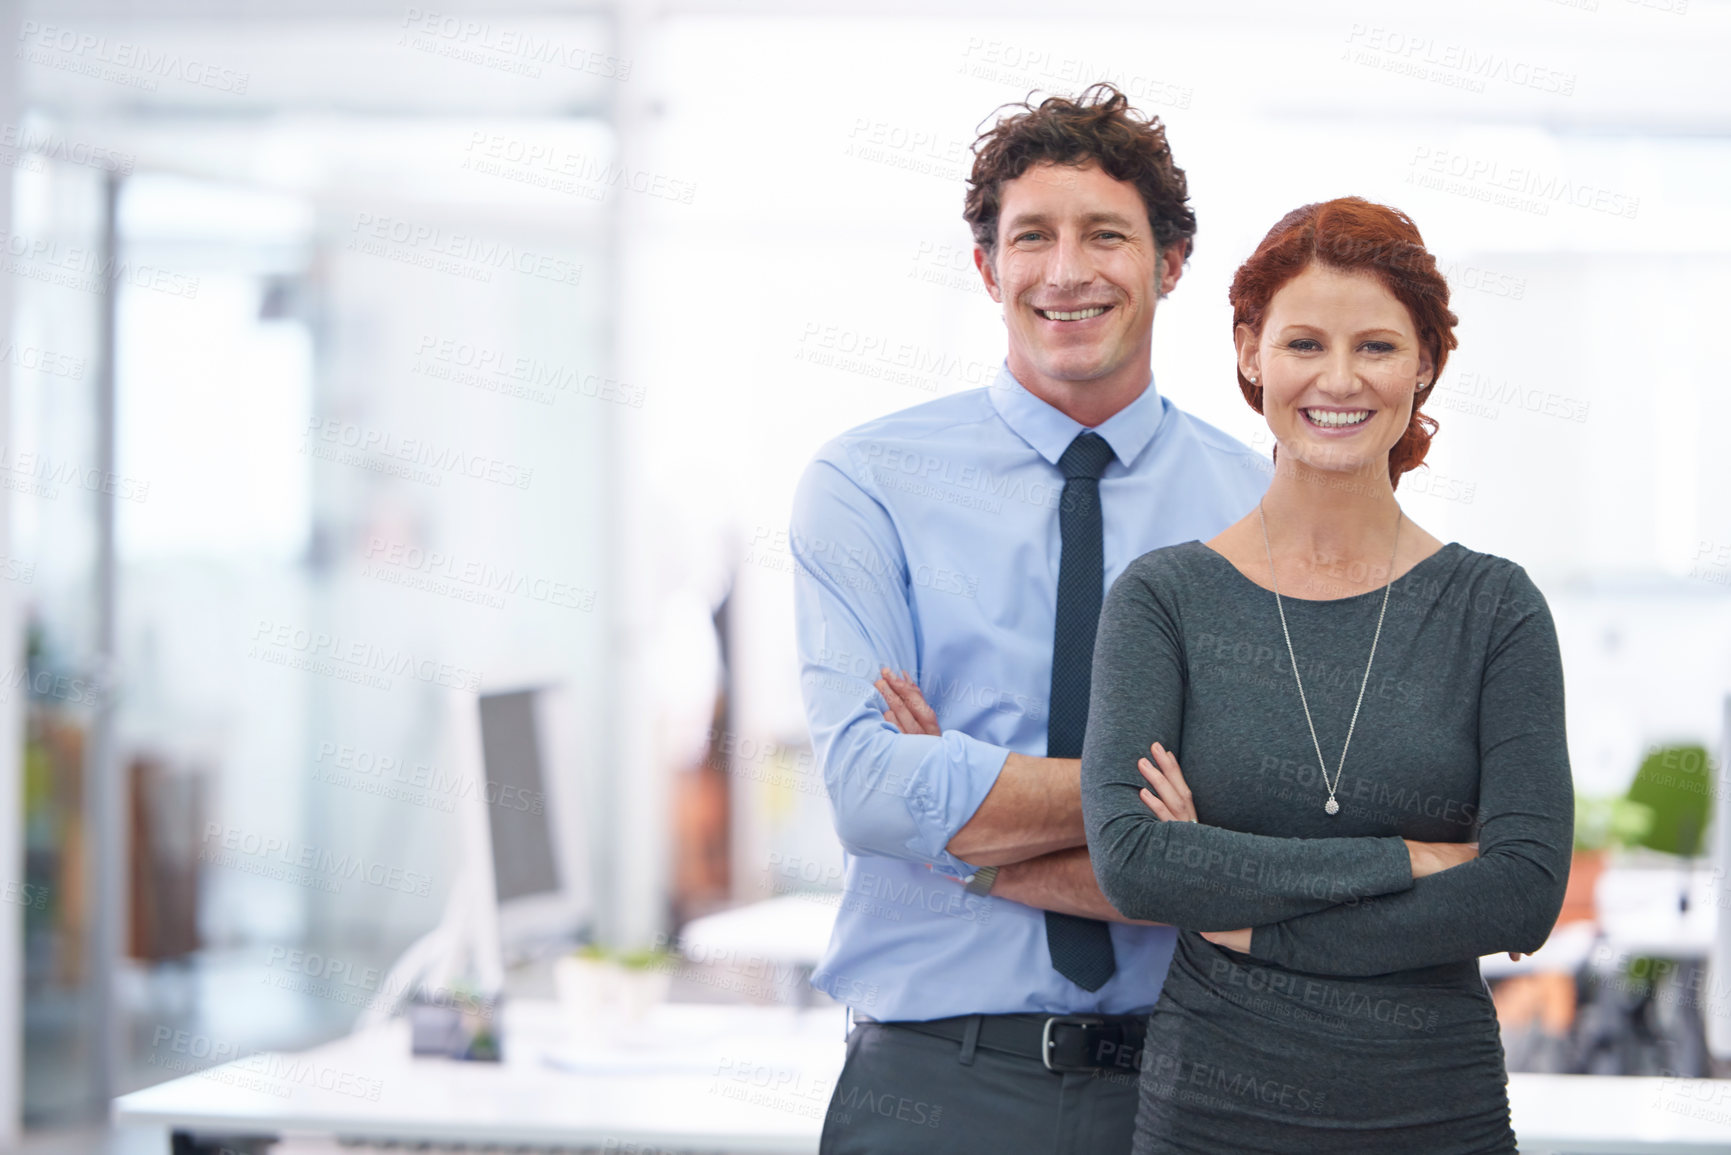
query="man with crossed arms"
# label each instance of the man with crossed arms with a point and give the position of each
(969, 541)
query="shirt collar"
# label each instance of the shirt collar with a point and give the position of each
(1050, 431)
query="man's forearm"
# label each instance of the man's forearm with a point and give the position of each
(1063, 881)
(1033, 809)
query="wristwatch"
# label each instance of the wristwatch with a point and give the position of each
(981, 882)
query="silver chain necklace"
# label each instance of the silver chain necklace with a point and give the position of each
(1331, 806)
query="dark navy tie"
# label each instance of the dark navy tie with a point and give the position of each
(1081, 947)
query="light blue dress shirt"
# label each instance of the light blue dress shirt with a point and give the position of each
(927, 540)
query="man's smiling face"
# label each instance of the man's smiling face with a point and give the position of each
(1078, 274)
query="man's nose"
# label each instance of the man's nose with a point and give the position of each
(1070, 267)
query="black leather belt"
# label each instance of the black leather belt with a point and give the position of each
(1061, 1042)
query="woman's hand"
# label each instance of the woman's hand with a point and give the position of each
(1170, 801)
(908, 711)
(1238, 940)
(1170, 797)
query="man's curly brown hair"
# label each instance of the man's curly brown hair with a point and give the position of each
(1098, 126)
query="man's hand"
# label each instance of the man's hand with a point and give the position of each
(908, 711)
(1034, 808)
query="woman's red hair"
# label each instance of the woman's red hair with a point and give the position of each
(1355, 235)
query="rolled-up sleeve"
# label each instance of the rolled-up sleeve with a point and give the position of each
(893, 795)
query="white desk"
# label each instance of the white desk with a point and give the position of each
(718, 1079)
(737, 1080)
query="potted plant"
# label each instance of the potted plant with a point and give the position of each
(600, 987)
(1601, 823)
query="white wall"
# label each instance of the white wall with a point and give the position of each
(1580, 418)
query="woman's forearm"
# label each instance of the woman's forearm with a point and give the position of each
(1499, 902)
(1206, 878)
(1508, 898)
(1194, 876)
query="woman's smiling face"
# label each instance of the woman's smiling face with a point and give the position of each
(1338, 360)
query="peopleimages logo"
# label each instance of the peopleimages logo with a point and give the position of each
(28, 894)
(413, 457)
(53, 146)
(189, 1053)
(473, 363)
(361, 655)
(40, 474)
(46, 259)
(88, 53)
(355, 766)
(49, 684)
(469, 579)
(516, 50)
(1466, 66)
(1515, 186)
(429, 245)
(232, 846)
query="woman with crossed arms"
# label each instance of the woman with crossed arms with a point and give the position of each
(1353, 703)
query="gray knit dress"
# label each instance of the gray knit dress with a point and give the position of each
(1358, 1021)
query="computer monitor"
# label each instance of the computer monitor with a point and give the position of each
(522, 885)
(516, 799)
(533, 847)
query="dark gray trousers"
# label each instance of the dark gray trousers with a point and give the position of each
(904, 1093)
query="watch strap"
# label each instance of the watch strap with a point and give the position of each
(981, 882)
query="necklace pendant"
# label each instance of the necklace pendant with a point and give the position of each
(1332, 807)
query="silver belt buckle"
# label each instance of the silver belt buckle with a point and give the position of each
(1068, 1020)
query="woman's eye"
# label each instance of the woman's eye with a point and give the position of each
(1378, 347)
(1304, 345)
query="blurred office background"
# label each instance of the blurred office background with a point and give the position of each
(363, 356)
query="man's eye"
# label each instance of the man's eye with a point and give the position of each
(1026, 236)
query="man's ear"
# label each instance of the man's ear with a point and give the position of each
(1249, 353)
(983, 262)
(1170, 267)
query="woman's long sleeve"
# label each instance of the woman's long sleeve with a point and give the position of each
(1189, 875)
(1509, 897)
